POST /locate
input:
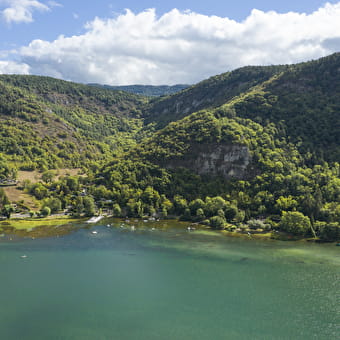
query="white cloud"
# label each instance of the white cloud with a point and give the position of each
(12, 67)
(183, 47)
(21, 11)
(54, 4)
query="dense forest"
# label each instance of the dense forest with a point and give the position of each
(257, 148)
(146, 90)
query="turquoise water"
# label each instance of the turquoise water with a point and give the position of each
(167, 283)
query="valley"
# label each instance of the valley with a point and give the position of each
(252, 149)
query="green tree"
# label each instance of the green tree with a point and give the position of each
(286, 203)
(89, 206)
(187, 215)
(164, 212)
(166, 204)
(180, 204)
(330, 231)
(230, 212)
(117, 211)
(214, 204)
(79, 205)
(72, 183)
(7, 210)
(3, 198)
(53, 203)
(217, 222)
(196, 204)
(48, 176)
(45, 211)
(200, 214)
(295, 222)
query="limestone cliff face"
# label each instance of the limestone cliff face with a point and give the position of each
(227, 160)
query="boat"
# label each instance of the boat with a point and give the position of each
(94, 219)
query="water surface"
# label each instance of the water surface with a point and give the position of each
(167, 283)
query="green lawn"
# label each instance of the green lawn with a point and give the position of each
(27, 224)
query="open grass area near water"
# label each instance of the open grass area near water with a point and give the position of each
(30, 223)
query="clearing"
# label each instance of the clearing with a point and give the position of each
(16, 195)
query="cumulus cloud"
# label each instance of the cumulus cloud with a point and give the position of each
(21, 11)
(183, 47)
(12, 67)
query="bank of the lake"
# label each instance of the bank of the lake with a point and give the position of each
(39, 227)
(60, 224)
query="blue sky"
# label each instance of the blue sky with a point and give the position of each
(89, 41)
(70, 17)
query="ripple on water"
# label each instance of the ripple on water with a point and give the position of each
(167, 283)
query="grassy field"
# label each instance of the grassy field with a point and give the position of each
(16, 195)
(30, 223)
(37, 228)
(35, 176)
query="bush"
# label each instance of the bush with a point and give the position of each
(200, 214)
(117, 211)
(53, 203)
(295, 223)
(258, 224)
(217, 222)
(330, 231)
(45, 211)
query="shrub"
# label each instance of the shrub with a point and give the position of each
(330, 231)
(217, 222)
(295, 223)
(45, 211)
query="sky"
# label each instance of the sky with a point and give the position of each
(161, 42)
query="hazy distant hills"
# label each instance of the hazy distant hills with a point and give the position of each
(147, 90)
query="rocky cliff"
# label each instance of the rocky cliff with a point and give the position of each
(227, 160)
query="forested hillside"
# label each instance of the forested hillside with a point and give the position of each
(256, 148)
(301, 100)
(48, 123)
(209, 93)
(146, 90)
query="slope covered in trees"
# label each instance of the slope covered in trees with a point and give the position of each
(49, 123)
(209, 93)
(256, 148)
(146, 90)
(301, 100)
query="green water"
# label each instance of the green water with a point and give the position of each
(167, 283)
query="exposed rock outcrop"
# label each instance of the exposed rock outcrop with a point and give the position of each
(227, 160)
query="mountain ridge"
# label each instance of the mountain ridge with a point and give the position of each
(146, 90)
(254, 144)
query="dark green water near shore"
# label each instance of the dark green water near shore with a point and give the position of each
(166, 283)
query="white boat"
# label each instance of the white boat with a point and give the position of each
(94, 219)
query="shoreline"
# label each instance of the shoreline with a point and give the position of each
(56, 225)
(50, 226)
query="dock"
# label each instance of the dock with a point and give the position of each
(94, 219)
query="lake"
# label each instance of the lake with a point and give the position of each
(162, 281)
